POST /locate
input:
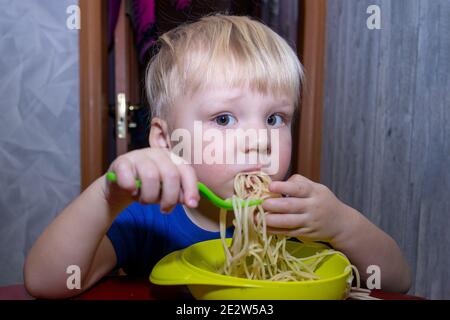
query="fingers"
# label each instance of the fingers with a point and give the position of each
(299, 232)
(286, 221)
(286, 205)
(125, 173)
(189, 185)
(303, 213)
(181, 196)
(295, 188)
(305, 234)
(171, 183)
(300, 179)
(148, 173)
(302, 232)
(162, 180)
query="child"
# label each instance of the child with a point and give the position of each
(227, 73)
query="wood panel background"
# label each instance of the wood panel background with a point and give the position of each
(386, 126)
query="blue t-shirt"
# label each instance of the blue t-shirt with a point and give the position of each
(141, 235)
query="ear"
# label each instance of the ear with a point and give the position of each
(159, 136)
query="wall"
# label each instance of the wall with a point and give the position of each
(386, 138)
(39, 124)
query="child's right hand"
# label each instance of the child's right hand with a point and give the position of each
(162, 180)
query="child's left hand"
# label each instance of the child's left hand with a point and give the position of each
(310, 211)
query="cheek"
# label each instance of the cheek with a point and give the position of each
(218, 177)
(283, 154)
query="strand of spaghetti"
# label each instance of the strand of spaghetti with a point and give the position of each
(253, 253)
(288, 257)
(363, 290)
(353, 269)
(223, 223)
(361, 296)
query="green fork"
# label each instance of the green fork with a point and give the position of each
(205, 192)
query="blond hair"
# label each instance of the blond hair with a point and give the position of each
(235, 50)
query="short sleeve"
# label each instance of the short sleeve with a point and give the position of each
(141, 235)
(126, 234)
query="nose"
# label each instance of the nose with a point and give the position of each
(255, 138)
(259, 144)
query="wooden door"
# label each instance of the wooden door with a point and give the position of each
(94, 86)
(311, 51)
(93, 90)
(127, 89)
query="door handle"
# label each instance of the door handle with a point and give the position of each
(121, 116)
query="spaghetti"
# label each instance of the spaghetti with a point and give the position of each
(254, 254)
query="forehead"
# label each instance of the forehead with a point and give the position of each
(219, 94)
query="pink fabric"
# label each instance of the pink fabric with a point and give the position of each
(182, 4)
(144, 21)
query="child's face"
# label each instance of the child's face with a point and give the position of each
(225, 110)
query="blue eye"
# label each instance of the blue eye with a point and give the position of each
(224, 119)
(272, 120)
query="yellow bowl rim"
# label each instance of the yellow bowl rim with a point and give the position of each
(257, 283)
